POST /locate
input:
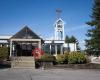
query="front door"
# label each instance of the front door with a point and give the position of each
(25, 49)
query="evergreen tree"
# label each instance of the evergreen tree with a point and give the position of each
(67, 41)
(72, 39)
(77, 46)
(75, 41)
(93, 43)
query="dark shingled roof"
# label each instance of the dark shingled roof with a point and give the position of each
(25, 33)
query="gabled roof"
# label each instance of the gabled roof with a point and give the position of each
(59, 21)
(25, 33)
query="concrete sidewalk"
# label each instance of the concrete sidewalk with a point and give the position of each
(51, 74)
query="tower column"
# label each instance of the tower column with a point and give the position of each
(59, 29)
(63, 33)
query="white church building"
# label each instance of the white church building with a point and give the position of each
(26, 36)
(57, 45)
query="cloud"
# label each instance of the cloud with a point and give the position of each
(77, 28)
(82, 45)
(50, 37)
(82, 42)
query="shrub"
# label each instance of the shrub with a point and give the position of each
(47, 57)
(65, 57)
(60, 58)
(88, 60)
(4, 53)
(76, 58)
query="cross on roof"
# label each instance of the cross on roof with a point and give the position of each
(58, 12)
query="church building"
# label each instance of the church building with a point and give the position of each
(23, 42)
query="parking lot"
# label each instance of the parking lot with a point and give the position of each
(50, 74)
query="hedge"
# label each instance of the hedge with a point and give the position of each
(66, 58)
(60, 58)
(71, 58)
(76, 58)
(47, 57)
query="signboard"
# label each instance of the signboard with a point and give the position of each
(37, 53)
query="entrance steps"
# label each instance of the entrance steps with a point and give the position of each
(23, 62)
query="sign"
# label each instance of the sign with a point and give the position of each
(37, 53)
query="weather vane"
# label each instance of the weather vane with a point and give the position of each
(58, 12)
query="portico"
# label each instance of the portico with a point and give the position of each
(23, 42)
(28, 44)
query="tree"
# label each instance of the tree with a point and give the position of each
(75, 41)
(93, 43)
(72, 39)
(67, 41)
(77, 46)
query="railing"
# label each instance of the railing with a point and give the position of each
(23, 62)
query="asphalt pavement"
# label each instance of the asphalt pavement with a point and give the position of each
(49, 74)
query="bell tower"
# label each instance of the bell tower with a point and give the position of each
(59, 27)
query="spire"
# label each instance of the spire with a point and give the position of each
(59, 26)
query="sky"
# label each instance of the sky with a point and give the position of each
(40, 16)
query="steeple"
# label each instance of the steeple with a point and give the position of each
(59, 27)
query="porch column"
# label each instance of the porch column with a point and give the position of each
(50, 48)
(39, 44)
(56, 49)
(61, 49)
(10, 48)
